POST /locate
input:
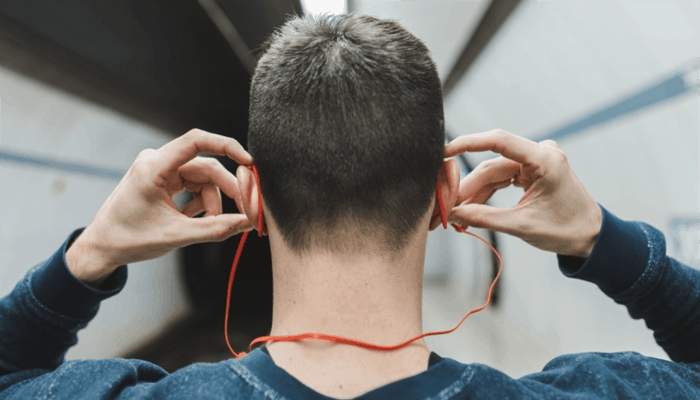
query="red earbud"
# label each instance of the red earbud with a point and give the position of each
(441, 204)
(261, 217)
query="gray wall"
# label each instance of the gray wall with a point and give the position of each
(551, 63)
(40, 207)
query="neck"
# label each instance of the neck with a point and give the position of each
(358, 297)
(361, 297)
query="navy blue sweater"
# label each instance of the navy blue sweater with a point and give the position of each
(40, 318)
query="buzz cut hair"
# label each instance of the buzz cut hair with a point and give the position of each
(346, 129)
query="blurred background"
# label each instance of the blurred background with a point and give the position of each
(85, 86)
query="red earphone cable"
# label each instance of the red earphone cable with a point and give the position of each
(339, 339)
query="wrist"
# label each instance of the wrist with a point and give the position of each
(586, 248)
(593, 226)
(86, 263)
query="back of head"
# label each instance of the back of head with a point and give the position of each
(347, 133)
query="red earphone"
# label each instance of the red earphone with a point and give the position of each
(339, 339)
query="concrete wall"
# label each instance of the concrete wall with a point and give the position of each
(551, 63)
(40, 207)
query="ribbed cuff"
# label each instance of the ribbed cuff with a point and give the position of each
(58, 290)
(618, 259)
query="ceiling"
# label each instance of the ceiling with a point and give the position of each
(163, 62)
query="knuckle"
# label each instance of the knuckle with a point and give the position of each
(501, 134)
(193, 133)
(553, 153)
(487, 165)
(549, 143)
(211, 162)
(219, 169)
(491, 164)
(559, 157)
(146, 154)
(144, 158)
(205, 162)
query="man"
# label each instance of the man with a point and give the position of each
(346, 130)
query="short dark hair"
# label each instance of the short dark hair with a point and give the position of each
(347, 132)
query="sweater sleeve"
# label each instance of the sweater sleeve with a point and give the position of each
(41, 317)
(629, 264)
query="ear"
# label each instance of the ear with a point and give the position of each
(448, 177)
(249, 195)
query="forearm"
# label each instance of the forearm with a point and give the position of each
(40, 318)
(630, 265)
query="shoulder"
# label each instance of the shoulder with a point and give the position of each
(623, 374)
(129, 379)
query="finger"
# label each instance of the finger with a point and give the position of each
(489, 191)
(194, 207)
(435, 222)
(488, 172)
(204, 170)
(178, 152)
(211, 199)
(523, 181)
(214, 229)
(208, 195)
(499, 141)
(483, 216)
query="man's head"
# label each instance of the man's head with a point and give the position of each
(347, 133)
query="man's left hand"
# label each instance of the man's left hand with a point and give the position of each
(139, 221)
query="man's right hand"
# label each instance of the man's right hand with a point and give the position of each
(555, 214)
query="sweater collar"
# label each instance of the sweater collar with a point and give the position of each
(260, 371)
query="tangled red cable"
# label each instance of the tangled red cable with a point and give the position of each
(339, 339)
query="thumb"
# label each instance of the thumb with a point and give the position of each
(483, 216)
(215, 228)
